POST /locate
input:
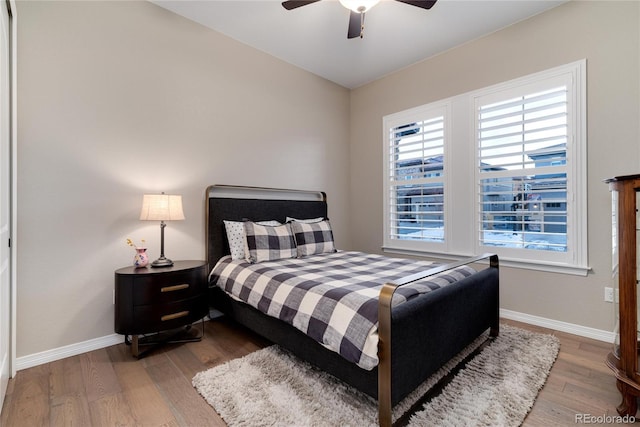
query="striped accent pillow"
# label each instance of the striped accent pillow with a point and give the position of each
(268, 243)
(313, 238)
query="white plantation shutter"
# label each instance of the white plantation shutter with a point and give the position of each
(510, 132)
(415, 164)
(522, 160)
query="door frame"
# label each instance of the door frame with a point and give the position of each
(13, 46)
(8, 316)
(13, 111)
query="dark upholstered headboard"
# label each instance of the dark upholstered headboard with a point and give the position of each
(255, 204)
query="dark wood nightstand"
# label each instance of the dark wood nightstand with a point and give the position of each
(159, 305)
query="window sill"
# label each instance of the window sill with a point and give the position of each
(504, 262)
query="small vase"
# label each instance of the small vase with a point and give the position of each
(141, 259)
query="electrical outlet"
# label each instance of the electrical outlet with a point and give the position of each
(608, 294)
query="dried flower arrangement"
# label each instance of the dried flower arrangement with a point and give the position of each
(133, 245)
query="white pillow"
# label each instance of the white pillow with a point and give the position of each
(305, 221)
(236, 236)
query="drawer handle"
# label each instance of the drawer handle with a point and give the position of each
(174, 316)
(174, 288)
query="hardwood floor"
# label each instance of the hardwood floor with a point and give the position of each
(579, 383)
(108, 387)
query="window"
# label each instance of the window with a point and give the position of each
(515, 184)
(522, 150)
(416, 176)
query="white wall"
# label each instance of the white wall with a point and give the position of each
(607, 34)
(117, 99)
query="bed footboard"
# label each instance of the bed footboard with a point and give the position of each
(473, 309)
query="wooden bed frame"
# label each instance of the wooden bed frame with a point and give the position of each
(415, 338)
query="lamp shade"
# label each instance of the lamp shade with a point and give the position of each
(161, 207)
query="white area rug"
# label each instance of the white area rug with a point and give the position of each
(270, 387)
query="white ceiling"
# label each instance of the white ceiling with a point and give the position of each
(314, 37)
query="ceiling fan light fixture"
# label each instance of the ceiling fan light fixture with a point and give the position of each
(359, 6)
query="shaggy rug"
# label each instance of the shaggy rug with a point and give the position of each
(496, 385)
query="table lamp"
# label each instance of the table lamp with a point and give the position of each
(161, 207)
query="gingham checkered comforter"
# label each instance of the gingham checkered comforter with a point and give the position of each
(332, 297)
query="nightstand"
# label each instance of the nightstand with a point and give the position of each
(159, 305)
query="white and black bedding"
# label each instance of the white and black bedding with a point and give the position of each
(331, 297)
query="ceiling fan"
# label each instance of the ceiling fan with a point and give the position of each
(357, 8)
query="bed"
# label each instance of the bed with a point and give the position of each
(414, 338)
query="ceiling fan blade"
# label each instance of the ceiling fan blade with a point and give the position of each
(427, 4)
(355, 25)
(293, 4)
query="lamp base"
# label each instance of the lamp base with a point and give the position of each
(162, 262)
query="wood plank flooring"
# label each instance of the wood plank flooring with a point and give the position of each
(108, 387)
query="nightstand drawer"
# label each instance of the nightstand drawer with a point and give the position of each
(166, 288)
(168, 316)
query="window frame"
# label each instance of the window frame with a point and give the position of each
(418, 114)
(462, 204)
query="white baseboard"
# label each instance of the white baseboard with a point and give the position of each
(47, 356)
(52, 355)
(570, 328)
(36, 359)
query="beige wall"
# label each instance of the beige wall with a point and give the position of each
(606, 34)
(121, 98)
